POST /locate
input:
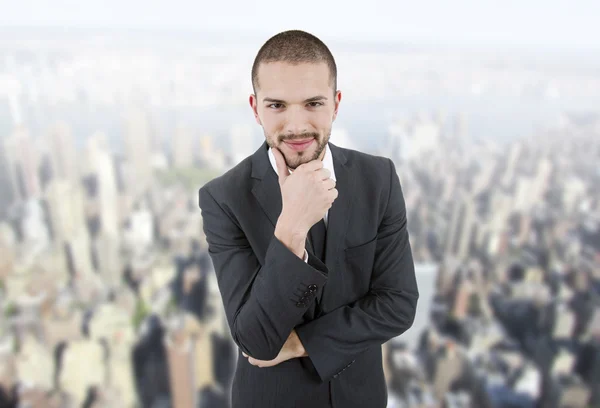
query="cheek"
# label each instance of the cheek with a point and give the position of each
(323, 120)
(271, 123)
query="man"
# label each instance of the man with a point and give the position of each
(309, 244)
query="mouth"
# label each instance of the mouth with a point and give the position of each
(299, 145)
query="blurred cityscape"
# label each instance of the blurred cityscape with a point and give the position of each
(107, 292)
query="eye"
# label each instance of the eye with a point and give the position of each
(275, 105)
(315, 104)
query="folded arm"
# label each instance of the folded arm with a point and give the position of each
(263, 303)
(333, 341)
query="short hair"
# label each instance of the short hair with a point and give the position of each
(294, 47)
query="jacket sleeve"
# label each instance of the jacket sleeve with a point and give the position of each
(263, 303)
(333, 340)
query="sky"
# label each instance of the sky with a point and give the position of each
(570, 25)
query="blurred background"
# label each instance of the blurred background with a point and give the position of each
(114, 114)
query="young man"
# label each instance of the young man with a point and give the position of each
(309, 243)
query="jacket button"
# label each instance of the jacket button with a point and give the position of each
(307, 293)
(312, 288)
(300, 304)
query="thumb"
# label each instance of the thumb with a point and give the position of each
(282, 168)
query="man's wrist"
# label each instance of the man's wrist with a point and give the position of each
(290, 224)
(299, 347)
(293, 238)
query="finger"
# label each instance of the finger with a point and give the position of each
(282, 169)
(329, 183)
(323, 173)
(257, 363)
(333, 194)
(311, 165)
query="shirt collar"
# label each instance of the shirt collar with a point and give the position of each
(327, 162)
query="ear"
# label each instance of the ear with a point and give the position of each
(337, 100)
(254, 105)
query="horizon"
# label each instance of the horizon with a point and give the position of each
(256, 39)
(551, 26)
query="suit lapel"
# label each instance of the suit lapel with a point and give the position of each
(339, 213)
(266, 184)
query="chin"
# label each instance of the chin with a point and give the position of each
(297, 159)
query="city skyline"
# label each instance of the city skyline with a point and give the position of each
(103, 262)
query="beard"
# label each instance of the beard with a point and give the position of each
(298, 158)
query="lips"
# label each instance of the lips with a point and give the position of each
(299, 145)
(298, 142)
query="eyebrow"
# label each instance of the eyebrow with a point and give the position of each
(313, 99)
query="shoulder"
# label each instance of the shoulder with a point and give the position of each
(230, 183)
(374, 176)
(372, 166)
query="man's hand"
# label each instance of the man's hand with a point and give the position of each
(292, 348)
(306, 194)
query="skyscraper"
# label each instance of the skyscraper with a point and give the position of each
(107, 243)
(22, 164)
(180, 355)
(461, 229)
(182, 147)
(7, 193)
(66, 205)
(100, 164)
(63, 153)
(138, 150)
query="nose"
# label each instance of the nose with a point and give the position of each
(295, 121)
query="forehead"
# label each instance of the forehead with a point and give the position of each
(283, 79)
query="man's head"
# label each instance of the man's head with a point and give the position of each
(294, 78)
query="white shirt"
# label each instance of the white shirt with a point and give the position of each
(327, 164)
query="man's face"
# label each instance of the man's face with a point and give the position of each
(295, 103)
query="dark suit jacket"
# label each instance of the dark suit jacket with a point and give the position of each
(343, 310)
